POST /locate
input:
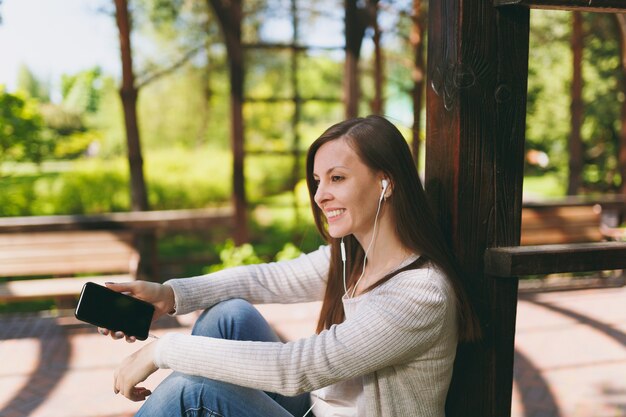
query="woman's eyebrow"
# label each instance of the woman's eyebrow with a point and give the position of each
(336, 167)
(331, 169)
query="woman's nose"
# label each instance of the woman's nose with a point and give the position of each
(321, 195)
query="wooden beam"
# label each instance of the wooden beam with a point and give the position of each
(192, 219)
(476, 109)
(605, 6)
(547, 259)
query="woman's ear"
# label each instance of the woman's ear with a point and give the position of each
(388, 187)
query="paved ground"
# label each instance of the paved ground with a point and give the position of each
(570, 359)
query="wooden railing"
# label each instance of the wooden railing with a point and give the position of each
(66, 246)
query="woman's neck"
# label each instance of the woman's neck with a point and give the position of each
(385, 254)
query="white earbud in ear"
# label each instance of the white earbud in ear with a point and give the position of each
(385, 183)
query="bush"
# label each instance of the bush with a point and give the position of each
(231, 256)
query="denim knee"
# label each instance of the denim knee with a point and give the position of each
(181, 395)
(192, 396)
(227, 320)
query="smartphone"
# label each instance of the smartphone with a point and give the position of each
(115, 311)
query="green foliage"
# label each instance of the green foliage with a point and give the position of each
(548, 107)
(20, 129)
(30, 86)
(289, 251)
(81, 91)
(18, 195)
(231, 255)
(176, 179)
(549, 83)
(602, 97)
(170, 112)
(109, 121)
(548, 185)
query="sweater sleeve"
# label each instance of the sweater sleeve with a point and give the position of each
(401, 320)
(298, 280)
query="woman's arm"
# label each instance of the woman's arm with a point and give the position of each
(400, 320)
(298, 280)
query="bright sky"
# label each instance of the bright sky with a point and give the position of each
(53, 37)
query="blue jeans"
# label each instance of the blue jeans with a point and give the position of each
(193, 396)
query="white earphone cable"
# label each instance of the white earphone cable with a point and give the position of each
(380, 203)
(343, 259)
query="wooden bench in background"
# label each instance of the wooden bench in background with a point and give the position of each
(570, 220)
(555, 227)
(51, 257)
(70, 257)
(565, 224)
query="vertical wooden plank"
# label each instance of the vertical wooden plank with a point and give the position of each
(230, 15)
(476, 103)
(354, 32)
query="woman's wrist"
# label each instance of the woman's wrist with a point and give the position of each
(170, 305)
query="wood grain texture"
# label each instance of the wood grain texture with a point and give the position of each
(603, 6)
(547, 259)
(476, 103)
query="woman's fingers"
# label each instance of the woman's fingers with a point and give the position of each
(126, 287)
(132, 371)
(116, 335)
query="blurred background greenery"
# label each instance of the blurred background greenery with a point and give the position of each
(67, 154)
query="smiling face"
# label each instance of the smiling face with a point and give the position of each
(347, 190)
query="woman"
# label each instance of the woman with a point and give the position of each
(393, 304)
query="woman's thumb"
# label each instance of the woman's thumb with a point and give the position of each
(120, 286)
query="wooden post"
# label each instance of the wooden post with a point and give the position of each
(476, 103)
(230, 15)
(418, 76)
(355, 30)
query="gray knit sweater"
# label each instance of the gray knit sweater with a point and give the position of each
(402, 340)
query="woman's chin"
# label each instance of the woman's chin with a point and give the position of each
(337, 234)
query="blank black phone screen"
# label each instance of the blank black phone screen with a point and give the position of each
(106, 308)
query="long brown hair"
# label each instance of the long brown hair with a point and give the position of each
(381, 147)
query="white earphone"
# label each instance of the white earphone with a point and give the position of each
(385, 184)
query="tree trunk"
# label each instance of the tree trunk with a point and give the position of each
(128, 93)
(355, 30)
(417, 43)
(575, 140)
(621, 23)
(378, 102)
(229, 15)
(145, 242)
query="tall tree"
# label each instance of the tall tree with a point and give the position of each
(129, 93)
(229, 14)
(575, 140)
(146, 243)
(355, 25)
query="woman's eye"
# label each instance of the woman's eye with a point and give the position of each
(336, 178)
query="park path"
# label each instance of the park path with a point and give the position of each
(570, 359)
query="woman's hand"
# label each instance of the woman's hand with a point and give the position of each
(133, 370)
(159, 295)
